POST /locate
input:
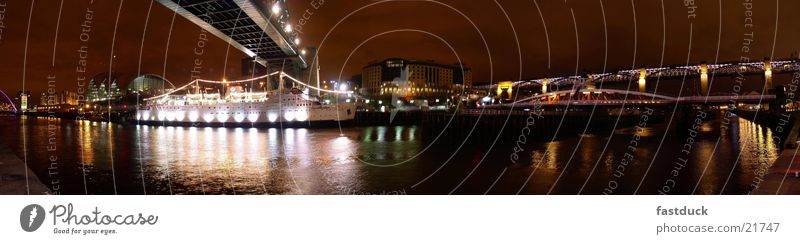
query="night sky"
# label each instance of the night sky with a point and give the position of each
(505, 41)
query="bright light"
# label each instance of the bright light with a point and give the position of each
(252, 117)
(303, 52)
(367, 101)
(289, 116)
(296, 41)
(222, 117)
(208, 118)
(301, 115)
(768, 72)
(193, 116)
(276, 8)
(380, 102)
(179, 115)
(238, 117)
(272, 117)
(343, 87)
(347, 101)
(288, 28)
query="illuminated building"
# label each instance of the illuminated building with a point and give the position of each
(150, 85)
(412, 78)
(103, 87)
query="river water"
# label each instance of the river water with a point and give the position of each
(83, 157)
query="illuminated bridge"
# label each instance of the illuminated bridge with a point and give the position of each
(8, 107)
(260, 31)
(642, 75)
(617, 98)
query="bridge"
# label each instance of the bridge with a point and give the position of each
(7, 107)
(703, 71)
(615, 98)
(262, 32)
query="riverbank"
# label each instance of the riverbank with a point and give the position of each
(16, 178)
(782, 178)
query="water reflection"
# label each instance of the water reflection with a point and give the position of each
(204, 160)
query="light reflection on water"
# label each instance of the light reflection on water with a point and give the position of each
(192, 160)
(748, 146)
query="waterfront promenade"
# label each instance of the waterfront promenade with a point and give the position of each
(782, 178)
(13, 179)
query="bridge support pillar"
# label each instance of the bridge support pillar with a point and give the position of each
(642, 80)
(681, 118)
(703, 79)
(544, 86)
(768, 76)
(776, 107)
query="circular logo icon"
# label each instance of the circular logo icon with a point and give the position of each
(31, 217)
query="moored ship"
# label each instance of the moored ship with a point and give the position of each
(237, 107)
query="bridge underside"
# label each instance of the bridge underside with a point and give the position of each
(245, 26)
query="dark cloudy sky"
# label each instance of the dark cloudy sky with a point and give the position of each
(495, 38)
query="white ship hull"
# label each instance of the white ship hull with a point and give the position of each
(291, 110)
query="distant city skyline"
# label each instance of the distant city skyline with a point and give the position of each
(553, 52)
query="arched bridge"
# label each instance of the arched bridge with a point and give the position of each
(766, 68)
(617, 98)
(7, 107)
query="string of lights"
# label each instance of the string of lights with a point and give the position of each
(281, 73)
